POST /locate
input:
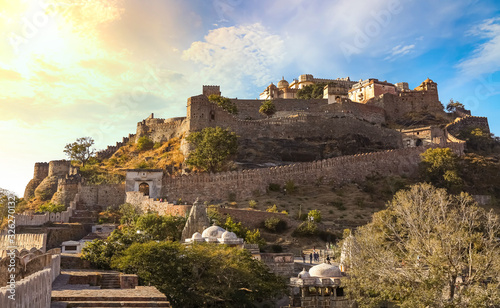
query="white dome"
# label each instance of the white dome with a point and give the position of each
(229, 235)
(213, 231)
(304, 274)
(197, 236)
(325, 270)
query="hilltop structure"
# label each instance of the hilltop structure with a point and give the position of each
(341, 137)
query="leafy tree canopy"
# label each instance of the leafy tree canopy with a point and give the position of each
(311, 91)
(267, 108)
(80, 150)
(202, 275)
(213, 148)
(453, 105)
(224, 102)
(144, 143)
(427, 249)
(440, 166)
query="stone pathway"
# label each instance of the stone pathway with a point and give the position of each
(84, 295)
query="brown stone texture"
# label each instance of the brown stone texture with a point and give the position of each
(335, 170)
(102, 196)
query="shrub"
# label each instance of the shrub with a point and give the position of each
(51, 207)
(253, 237)
(274, 187)
(314, 215)
(306, 229)
(252, 204)
(224, 102)
(157, 145)
(274, 248)
(290, 186)
(339, 205)
(144, 143)
(272, 209)
(274, 224)
(142, 165)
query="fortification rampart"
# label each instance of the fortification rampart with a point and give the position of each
(252, 219)
(147, 204)
(41, 171)
(102, 196)
(35, 272)
(336, 170)
(313, 124)
(467, 121)
(161, 130)
(110, 150)
(59, 168)
(23, 241)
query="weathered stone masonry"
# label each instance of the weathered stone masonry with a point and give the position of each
(336, 170)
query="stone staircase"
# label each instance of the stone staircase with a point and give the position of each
(110, 281)
(84, 214)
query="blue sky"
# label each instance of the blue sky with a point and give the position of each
(96, 68)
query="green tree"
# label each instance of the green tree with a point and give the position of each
(159, 227)
(440, 166)
(202, 275)
(224, 102)
(213, 148)
(129, 214)
(144, 143)
(80, 150)
(267, 108)
(51, 207)
(236, 227)
(254, 237)
(8, 200)
(452, 106)
(427, 249)
(311, 91)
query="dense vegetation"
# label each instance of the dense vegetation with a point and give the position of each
(224, 102)
(213, 147)
(311, 91)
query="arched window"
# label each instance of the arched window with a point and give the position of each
(144, 188)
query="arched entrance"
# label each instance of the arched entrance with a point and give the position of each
(144, 188)
(419, 142)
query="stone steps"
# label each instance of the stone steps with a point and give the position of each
(110, 281)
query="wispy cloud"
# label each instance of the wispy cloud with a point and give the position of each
(399, 51)
(485, 58)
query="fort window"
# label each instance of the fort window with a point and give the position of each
(212, 115)
(419, 142)
(72, 248)
(340, 291)
(144, 188)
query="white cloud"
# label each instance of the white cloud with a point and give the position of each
(232, 56)
(485, 58)
(399, 51)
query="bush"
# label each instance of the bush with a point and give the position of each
(144, 143)
(290, 187)
(302, 216)
(252, 204)
(314, 215)
(272, 209)
(253, 237)
(274, 187)
(306, 229)
(157, 145)
(51, 207)
(142, 165)
(274, 224)
(224, 102)
(274, 248)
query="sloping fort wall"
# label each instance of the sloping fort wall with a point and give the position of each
(336, 170)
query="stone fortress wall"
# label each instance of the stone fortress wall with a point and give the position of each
(35, 272)
(111, 149)
(460, 124)
(161, 130)
(336, 170)
(23, 241)
(147, 204)
(321, 120)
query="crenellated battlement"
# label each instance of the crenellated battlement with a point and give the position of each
(41, 171)
(59, 168)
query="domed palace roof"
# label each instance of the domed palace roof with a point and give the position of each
(213, 231)
(325, 270)
(428, 81)
(304, 274)
(228, 235)
(197, 236)
(283, 83)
